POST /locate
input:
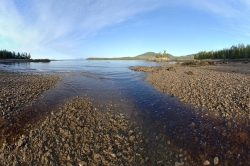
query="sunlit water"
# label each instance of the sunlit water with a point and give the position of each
(104, 81)
(112, 85)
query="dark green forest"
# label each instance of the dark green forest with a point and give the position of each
(235, 52)
(4, 54)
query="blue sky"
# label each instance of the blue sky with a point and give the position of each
(115, 28)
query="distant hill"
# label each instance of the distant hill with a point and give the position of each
(146, 56)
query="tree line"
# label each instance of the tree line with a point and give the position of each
(240, 51)
(4, 54)
(163, 55)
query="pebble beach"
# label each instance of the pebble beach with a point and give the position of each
(76, 133)
(80, 133)
(221, 95)
(220, 89)
(18, 89)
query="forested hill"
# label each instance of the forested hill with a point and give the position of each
(149, 55)
(13, 55)
(146, 55)
(235, 52)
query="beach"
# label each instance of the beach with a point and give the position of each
(219, 89)
(78, 132)
(221, 94)
(18, 89)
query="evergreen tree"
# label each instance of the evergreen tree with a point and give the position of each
(4, 54)
(240, 51)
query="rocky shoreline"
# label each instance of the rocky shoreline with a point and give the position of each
(79, 134)
(76, 133)
(19, 89)
(222, 89)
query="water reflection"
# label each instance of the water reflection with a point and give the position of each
(15, 65)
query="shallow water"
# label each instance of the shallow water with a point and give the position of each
(111, 84)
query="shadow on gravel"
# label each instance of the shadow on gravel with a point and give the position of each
(232, 67)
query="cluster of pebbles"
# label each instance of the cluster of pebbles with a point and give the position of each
(221, 94)
(18, 89)
(223, 89)
(78, 134)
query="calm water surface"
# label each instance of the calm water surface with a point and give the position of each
(110, 84)
(104, 81)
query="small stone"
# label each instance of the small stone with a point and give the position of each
(206, 162)
(113, 155)
(130, 132)
(159, 162)
(178, 163)
(2, 156)
(192, 125)
(216, 160)
(189, 73)
(20, 142)
(96, 157)
(82, 163)
(131, 138)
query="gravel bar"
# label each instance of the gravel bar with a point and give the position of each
(18, 89)
(222, 89)
(219, 132)
(79, 134)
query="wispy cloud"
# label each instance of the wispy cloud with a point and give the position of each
(63, 25)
